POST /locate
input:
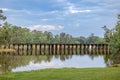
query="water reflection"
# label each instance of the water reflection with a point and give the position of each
(61, 52)
(12, 63)
(75, 61)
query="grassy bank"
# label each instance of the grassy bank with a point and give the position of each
(66, 74)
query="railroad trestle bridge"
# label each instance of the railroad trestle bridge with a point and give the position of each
(60, 48)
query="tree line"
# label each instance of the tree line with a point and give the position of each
(15, 34)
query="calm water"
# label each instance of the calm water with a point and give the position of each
(73, 61)
(10, 63)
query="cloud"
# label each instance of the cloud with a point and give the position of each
(5, 9)
(37, 66)
(75, 10)
(87, 6)
(71, 7)
(45, 27)
(72, 14)
(44, 19)
(16, 10)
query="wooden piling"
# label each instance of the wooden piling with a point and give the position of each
(55, 48)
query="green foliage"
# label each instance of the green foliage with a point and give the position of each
(107, 34)
(115, 39)
(56, 39)
(15, 34)
(81, 39)
(66, 38)
(5, 34)
(2, 17)
(93, 39)
(112, 36)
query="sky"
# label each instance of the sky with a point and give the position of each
(75, 17)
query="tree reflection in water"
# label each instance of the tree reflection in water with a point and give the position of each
(9, 62)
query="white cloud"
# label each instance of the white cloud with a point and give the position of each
(75, 10)
(81, 7)
(45, 27)
(37, 66)
(61, 0)
(44, 19)
(5, 9)
(71, 8)
(16, 10)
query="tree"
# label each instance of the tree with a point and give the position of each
(49, 36)
(115, 38)
(17, 34)
(62, 36)
(2, 17)
(107, 34)
(5, 34)
(56, 39)
(81, 39)
(92, 39)
(101, 41)
(36, 36)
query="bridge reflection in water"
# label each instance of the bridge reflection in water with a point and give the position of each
(57, 49)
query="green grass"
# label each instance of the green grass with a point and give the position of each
(66, 74)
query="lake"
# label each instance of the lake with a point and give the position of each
(17, 63)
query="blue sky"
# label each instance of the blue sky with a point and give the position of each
(75, 17)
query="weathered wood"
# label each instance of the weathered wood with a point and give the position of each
(54, 48)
